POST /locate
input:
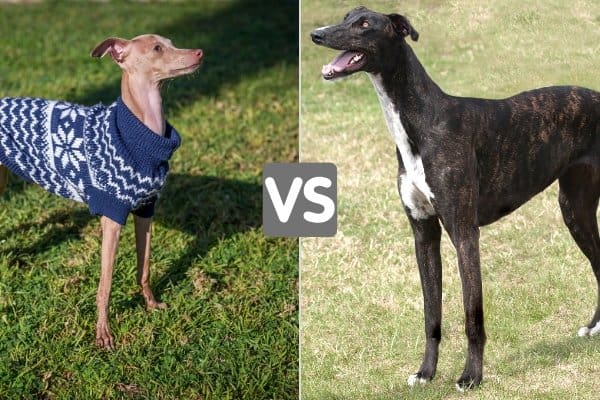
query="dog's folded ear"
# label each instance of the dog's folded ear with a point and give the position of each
(115, 46)
(403, 27)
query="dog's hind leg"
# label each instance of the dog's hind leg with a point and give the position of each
(578, 198)
(3, 178)
(427, 233)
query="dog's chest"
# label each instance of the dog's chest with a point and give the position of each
(414, 190)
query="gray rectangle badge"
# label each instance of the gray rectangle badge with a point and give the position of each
(300, 199)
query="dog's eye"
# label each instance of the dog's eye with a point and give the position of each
(365, 24)
(157, 48)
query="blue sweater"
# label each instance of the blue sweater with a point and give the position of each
(102, 156)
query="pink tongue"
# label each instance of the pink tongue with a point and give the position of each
(339, 64)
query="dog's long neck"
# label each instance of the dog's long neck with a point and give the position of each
(413, 93)
(143, 98)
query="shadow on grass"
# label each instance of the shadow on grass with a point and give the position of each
(550, 353)
(239, 41)
(209, 208)
(64, 225)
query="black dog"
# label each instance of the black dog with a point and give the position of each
(467, 162)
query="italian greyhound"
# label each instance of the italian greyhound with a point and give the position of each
(466, 162)
(113, 158)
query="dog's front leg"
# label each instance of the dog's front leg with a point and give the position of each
(143, 235)
(466, 240)
(427, 234)
(458, 212)
(456, 202)
(111, 231)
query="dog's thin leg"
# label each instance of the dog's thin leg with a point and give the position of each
(427, 235)
(143, 234)
(3, 178)
(462, 226)
(578, 198)
(111, 232)
(467, 246)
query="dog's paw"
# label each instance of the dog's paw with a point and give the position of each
(155, 305)
(466, 382)
(104, 337)
(586, 331)
(583, 331)
(464, 386)
(416, 379)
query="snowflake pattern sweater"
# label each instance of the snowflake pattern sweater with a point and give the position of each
(103, 156)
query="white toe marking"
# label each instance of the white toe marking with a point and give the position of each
(583, 331)
(595, 329)
(414, 379)
(460, 388)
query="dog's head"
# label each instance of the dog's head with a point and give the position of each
(151, 56)
(365, 38)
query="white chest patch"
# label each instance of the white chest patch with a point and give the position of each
(416, 194)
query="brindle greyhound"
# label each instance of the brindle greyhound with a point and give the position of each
(467, 162)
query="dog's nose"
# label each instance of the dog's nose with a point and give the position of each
(317, 36)
(199, 53)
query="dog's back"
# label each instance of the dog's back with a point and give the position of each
(103, 156)
(520, 142)
(42, 141)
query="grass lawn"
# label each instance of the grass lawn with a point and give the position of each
(361, 302)
(231, 328)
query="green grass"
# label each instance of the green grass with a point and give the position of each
(231, 328)
(361, 301)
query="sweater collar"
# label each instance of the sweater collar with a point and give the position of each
(153, 148)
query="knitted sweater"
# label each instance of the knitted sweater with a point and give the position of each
(102, 156)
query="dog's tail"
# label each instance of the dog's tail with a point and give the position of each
(3, 178)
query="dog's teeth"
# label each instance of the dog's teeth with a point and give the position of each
(356, 59)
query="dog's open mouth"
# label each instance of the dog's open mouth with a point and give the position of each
(344, 64)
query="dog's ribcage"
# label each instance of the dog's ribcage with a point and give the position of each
(414, 190)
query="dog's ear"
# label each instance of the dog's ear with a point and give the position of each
(403, 27)
(116, 47)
